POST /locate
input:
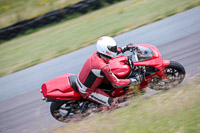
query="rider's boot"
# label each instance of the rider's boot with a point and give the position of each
(113, 105)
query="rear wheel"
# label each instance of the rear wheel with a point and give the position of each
(64, 111)
(175, 73)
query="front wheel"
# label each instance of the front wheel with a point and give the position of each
(175, 73)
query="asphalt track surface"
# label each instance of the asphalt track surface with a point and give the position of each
(21, 107)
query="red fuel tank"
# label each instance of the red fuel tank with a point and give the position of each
(120, 67)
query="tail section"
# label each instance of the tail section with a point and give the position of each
(60, 88)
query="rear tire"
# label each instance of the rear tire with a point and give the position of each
(63, 111)
(175, 73)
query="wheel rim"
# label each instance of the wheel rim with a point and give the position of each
(175, 77)
(65, 112)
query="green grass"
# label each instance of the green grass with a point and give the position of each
(12, 11)
(76, 33)
(176, 111)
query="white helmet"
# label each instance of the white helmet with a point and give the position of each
(107, 46)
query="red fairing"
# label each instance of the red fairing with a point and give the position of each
(60, 88)
(155, 60)
(119, 67)
(166, 63)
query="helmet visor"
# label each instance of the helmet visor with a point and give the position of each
(112, 48)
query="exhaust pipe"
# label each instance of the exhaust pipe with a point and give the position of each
(44, 98)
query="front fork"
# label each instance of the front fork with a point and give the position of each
(160, 73)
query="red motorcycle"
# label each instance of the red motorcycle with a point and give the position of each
(158, 74)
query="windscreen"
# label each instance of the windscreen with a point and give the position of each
(141, 54)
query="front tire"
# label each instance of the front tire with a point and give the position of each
(175, 73)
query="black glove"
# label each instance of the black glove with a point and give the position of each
(127, 47)
(137, 79)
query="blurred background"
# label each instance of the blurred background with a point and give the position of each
(16, 11)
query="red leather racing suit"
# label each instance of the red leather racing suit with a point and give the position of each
(91, 76)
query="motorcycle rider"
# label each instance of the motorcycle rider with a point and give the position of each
(96, 68)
